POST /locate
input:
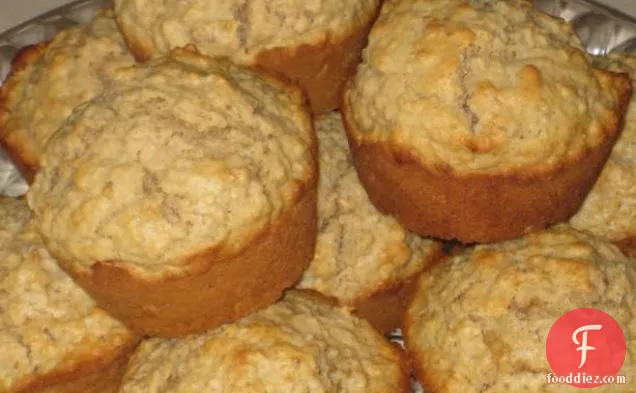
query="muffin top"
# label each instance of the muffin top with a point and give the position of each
(182, 155)
(238, 28)
(47, 323)
(299, 344)
(481, 86)
(13, 215)
(49, 80)
(359, 250)
(480, 322)
(610, 208)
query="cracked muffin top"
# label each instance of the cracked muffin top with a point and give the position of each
(182, 155)
(610, 208)
(301, 343)
(359, 250)
(237, 28)
(480, 322)
(49, 80)
(48, 324)
(481, 86)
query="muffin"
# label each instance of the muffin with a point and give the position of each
(49, 80)
(480, 322)
(609, 210)
(300, 344)
(479, 120)
(53, 336)
(363, 258)
(184, 196)
(315, 43)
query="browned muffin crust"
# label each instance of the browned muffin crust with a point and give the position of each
(429, 200)
(609, 210)
(53, 337)
(183, 256)
(302, 343)
(102, 376)
(48, 80)
(321, 68)
(628, 246)
(320, 64)
(479, 322)
(25, 160)
(219, 287)
(385, 309)
(362, 256)
(479, 120)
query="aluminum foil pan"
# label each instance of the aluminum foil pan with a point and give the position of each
(601, 29)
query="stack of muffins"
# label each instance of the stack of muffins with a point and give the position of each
(247, 196)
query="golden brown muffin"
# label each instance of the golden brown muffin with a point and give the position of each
(53, 336)
(49, 80)
(609, 209)
(13, 215)
(363, 258)
(479, 120)
(480, 322)
(315, 43)
(184, 196)
(300, 344)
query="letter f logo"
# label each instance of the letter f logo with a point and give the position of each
(583, 344)
(572, 330)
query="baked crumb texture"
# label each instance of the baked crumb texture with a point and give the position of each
(609, 209)
(479, 323)
(479, 120)
(301, 343)
(48, 80)
(53, 336)
(184, 196)
(315, 43)
(361, 254)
